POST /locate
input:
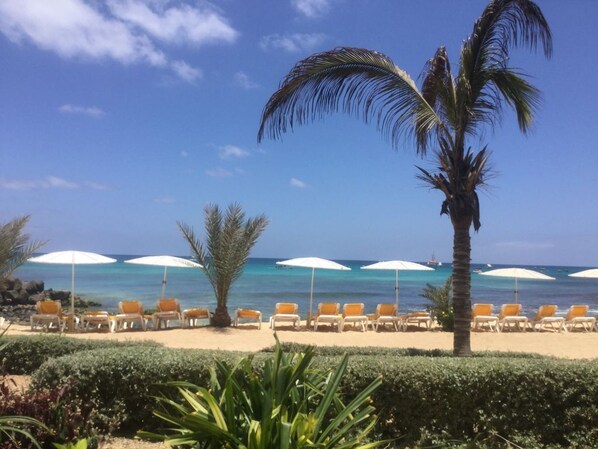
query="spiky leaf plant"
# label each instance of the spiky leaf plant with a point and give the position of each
(228, 242)
(287, 405)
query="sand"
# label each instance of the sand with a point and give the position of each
(573, 345)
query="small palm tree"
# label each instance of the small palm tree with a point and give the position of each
(229, 239)
(441, 116)
(15, 247)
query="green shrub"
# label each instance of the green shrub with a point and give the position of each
(23, 355)
(441, 307)
(123, 381)
(422, 398)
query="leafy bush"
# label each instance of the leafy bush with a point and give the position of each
(441, 307)
(286, 406)
(23, 355)
(62, 417)
(537, 401)
(123, 381)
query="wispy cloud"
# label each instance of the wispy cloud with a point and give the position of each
(311, 8)
(126, 31)
(242, 80)
(219, 173)
(292, 43)
(294, 182)
(90, 111)
(164, 200)
(232, 152)
(49, 182)
(184, 153)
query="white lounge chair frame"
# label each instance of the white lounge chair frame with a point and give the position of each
(97, 319)
(376, 319)
(547, 322)
(257, 318)
(122, 321)
(587, 323)
(293, 318)
(47, 320)
(406, 320)
(336, 319)
(166, 316)
(189, 320)
(479, 321)
(362, 319)
(518, 322)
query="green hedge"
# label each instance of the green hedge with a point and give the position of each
(536, 402)
(24, 355)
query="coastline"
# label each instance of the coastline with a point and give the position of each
(248, 338)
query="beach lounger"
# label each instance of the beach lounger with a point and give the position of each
(354, 313)
(545, 318)
(384, 314)
(248, 315)
(166, 309)
(481, 314)
(510, 316)
(191, 317)
(577, 316)
(329, 312)
(416, 318)
(285, 311)
(49, 313)
(96, 319)
(130, 312)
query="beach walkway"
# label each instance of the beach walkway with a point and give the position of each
(248, 338)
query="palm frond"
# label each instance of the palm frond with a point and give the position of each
(357, 81)
(504, 25)
(15, 247)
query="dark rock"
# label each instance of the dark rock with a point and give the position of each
(11, 294)
(33, 287)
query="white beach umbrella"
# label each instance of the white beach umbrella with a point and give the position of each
(73, 258)
(517, 273)
(396, 266)
(593, 273)
(165, 261)
(313, 263)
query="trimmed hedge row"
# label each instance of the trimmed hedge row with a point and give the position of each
(25, 354)
(536, 402)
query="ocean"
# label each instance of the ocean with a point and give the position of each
(263, 284)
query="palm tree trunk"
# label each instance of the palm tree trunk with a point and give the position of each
(221, 318)
(462, 288)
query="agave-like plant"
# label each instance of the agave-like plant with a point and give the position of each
(290, 405)
(229, 239)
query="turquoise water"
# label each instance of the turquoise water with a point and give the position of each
(263, 284)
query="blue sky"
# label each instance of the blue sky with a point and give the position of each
(120, 117)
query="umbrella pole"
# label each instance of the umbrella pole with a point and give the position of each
(311, 298)
(516, 291)
(71, 318)
(397, 289)
(164, 281)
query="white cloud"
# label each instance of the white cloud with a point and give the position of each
(292, 43)
(164, 200)
(91, 111)
(184, 153)
(294, 182)
(219, 173)
(197, 25)
(185, 71)
(232, 151)
(49, 182)
(311, 8)
(242, 80)
(126, 31)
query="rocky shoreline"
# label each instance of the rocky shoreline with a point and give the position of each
(18, 298)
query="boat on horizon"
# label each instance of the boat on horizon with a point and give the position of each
(433, 261)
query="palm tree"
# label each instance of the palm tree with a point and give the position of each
(15, 247)
(229, 239)
(440, 116)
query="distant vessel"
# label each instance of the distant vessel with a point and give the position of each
(433, 261)
(489, 265)
(477, 271)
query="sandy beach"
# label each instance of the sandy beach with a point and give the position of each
(575, 345)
